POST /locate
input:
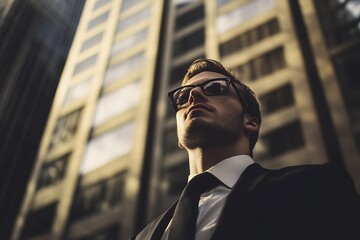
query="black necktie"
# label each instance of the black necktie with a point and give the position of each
(183, 225)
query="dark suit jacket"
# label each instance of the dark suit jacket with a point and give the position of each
(300, 202)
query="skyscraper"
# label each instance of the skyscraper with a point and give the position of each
(35, 38)
(109, 160)
(92, 152)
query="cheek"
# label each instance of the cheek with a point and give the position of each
(231, 111)
(179, 121)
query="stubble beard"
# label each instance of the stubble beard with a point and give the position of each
(201, 134)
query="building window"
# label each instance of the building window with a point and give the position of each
(53, 172)
(183, 3)
(133, 19)
(178, 73)
(65, 128)
(124, 67)
(190, 17)
(249, 38)
(39, 221)
(85, 64)
(262, 66)
(341, 20)
(245, 12)
(100, 3)
(171, 140)
(78, 91)
(91, 41)
(98, 20)
(277, 99)
(221, 3)
(126, 4)
(99, 197)
(170, 113)
(347, 66)
(124, 98)
(189, 42)
(108, 147)
(282, 140)
(128, 42)
(176, 178)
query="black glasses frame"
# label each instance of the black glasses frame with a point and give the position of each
(201, 85)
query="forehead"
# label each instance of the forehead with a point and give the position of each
(204, 76)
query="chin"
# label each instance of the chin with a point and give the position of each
(204, 134)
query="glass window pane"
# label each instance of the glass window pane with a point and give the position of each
(91, 42)
(126, 4)
(100, 3)
(347, 66)
(263, 65)
(340, 19)
(119, 70)
(130, 41)
(220, 3)
(108, 146)
(85, 64)
(39, 222)
(98, 20)
(170, 141)
(190, 17)
(65, 128)
(189, 42)
(269, 143)
(179, 4)
(277, 99)
(133, 19)
(249, 38)
(244, 13)
(175, 179)
(78, 91)
(98, 197)
(52, 172)
(117, 102)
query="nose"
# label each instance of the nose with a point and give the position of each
(197, 95)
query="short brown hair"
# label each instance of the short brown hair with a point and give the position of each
(252, 108)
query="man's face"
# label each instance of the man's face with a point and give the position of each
(209, 120)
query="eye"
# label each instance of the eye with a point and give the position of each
(215, 87)
(182, 96)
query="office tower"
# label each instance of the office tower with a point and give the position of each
(278, 49)
(109, 161)
(35, 37)
(93, 148)
(336, 48)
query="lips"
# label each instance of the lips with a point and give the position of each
(198, 106)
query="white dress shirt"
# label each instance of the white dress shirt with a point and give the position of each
(212, 202)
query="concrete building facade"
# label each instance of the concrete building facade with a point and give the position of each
(109, 161)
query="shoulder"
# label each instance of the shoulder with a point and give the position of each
(317, 171)
(325, 179)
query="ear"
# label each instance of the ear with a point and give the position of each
(180, 145)
(251, 124)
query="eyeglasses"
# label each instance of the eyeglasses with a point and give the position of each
(213, 87)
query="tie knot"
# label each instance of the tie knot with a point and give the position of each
(202, 183)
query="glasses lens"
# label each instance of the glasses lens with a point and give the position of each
(216, 87)
(181, 96)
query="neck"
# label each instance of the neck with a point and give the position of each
(201, 159)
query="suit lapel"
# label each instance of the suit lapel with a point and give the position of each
(235, 201)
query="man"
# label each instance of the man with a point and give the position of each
(218, 121)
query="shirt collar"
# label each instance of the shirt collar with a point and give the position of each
(229, 170)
